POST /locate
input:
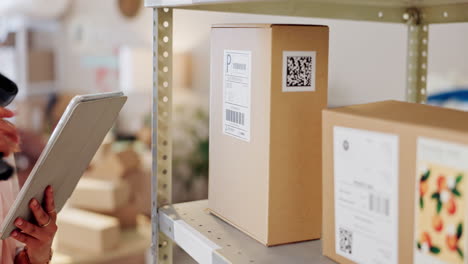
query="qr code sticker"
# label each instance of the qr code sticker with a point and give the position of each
(346, 241)
(298, 71)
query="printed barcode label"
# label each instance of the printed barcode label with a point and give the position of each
(346, 241)
(235, 117)
(236, 93)
(299, 71)
(239, 66)
(379, 204)
(366, 173)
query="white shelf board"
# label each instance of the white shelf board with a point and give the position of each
(433, 11)
(208, 239)
(382, 3)
(16, 23)
(37, 89)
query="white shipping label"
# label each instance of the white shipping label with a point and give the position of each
(366, 167)
(237, 93)
(299, 69)
(440, 208)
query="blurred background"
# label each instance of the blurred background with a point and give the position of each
(55, 49)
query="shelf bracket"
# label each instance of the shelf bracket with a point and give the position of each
(161, 124)
(418, 33)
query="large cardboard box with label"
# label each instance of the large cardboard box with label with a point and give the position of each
(268, 88)
(394, 183)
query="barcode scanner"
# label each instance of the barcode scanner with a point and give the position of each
(8, 91)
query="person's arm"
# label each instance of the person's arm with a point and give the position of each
(9, 138)
(37, 237)
(21, 258)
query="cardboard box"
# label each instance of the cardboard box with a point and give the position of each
(100, 195)
(269, 86)
(127, 216)
(140, 183)
(144, 135)
(87, 231)
(386, 168)
(103, 150)
(115, 166)
(40, 66)
(134, 259)
(9, 41)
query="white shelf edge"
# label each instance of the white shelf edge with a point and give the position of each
(381, 3)
(435, 11)
(37, 89)
(17, 23)
(191, 241)
(208, 239)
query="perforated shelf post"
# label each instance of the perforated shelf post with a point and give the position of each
(162, 125)
(417, 53)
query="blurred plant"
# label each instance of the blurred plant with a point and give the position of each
(190, 143)
(190, 146)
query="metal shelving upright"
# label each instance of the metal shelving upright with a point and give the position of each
(204, 237)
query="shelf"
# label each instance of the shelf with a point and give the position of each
(208, 239)
(17, 23)
(134, 242)
(37, 89)
(434, 11)
(382, 3)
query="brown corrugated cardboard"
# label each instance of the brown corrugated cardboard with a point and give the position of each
(87, 231)
(10, 40)
(265, 130)
(100, 195)
(126, 215)
(140, 183)
(103, 151)
(415, 141)
(40, 66)
(115, 165)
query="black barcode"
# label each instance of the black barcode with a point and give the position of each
(239, 66)
(379, 204)
(235, 117)
(346, 241)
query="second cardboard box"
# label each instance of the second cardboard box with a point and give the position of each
(395, 184)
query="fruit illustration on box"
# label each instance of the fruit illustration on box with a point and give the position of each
(447, 191)
(453, 237)
(441, 213)
(425, 244)
(423, 186)
(437, 223)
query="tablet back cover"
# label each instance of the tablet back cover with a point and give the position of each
(67, 155)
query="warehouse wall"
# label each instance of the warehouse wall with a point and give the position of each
(367, 60)
(448, 54)
(93, 32)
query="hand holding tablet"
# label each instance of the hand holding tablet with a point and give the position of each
(71, 147)
(38, 236)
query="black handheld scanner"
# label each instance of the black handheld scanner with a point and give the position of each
(8, 91)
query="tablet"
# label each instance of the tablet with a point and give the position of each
(68, 153)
